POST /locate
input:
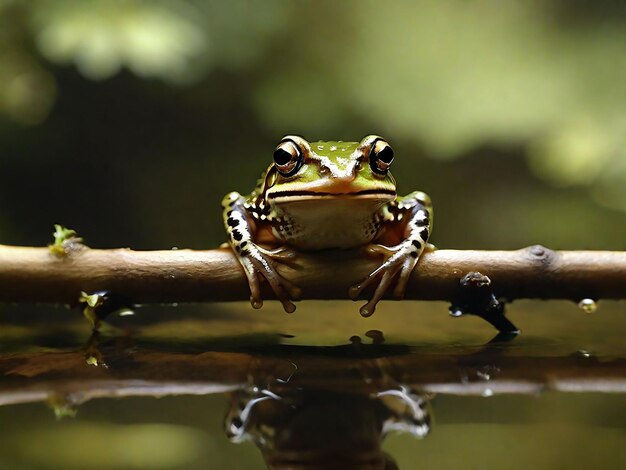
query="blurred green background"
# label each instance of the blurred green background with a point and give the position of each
(128, 120)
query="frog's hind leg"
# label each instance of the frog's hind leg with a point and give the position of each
(412, 215)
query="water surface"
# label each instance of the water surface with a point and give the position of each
(223, 386)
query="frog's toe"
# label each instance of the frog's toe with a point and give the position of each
(279, 254)
(399, 264)
(253, 282)
(283, 289)
(295, 293)
(355, 291)
(288, 306)
(256, 302)
(258, 266)
(375, 249)
(392, 262)
(385, 281)
(283, 297)
(369, 308)
(403, 279)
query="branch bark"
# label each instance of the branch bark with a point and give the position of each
(30, 274)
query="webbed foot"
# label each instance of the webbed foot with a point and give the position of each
(399, 263)
(258, 261)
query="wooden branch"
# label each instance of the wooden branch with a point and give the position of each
(30, 274)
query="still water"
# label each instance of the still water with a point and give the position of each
(222, 386)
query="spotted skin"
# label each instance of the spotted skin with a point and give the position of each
(410, 217)
(253, 258)
(337, 195)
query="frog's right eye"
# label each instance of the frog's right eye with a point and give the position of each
(381, 157)
(287, 158)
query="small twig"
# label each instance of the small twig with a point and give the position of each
(66, 240)
(35, 275)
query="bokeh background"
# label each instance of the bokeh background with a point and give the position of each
(128, 120)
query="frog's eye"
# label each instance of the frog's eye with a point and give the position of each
(287, 158)
(381, 157)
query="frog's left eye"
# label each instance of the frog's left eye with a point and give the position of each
(381, 157)
(287, 158)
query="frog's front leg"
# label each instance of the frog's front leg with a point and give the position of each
(242, 231)
(410, 217)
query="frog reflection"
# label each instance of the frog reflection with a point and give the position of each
(325, 429)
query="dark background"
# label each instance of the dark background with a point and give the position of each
(128, 121)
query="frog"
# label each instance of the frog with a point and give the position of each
(328, 195)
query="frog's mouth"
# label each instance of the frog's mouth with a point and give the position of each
(368, 193)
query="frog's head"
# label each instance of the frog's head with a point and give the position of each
(314, 170)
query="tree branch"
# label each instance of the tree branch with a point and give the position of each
(36, 275)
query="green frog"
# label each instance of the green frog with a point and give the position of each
(321, 195)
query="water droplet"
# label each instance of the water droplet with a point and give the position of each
(487, 392)
(174, 248)
(320, 147)
(584, 353)
(588, 305)
(455, 312)
(125, 312)
(333, 148)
